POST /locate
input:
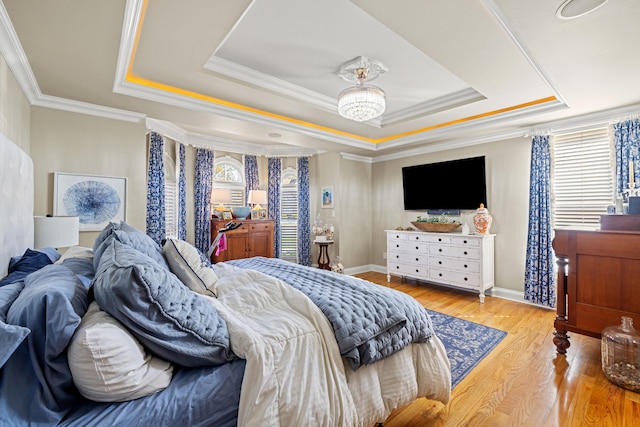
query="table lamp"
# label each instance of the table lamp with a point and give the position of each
(220, 196)
(256, 197)
(55, 231)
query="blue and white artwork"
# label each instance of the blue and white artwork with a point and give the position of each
(96, 200)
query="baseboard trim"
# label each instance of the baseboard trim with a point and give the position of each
(504, 293)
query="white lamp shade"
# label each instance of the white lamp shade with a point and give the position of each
(221, 195)
(56, 231)
(257, 197)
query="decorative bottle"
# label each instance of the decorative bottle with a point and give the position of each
(621, 353)
(318, 228)
(329, 230)
(482, 220)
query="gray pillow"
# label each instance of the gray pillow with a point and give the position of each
(164, 315)
(186, 262)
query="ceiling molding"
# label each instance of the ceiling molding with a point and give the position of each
(172, 131)
(357, 158)
(442, 103)
(86, 108)
(497, 13)
(265, 81)
(16, 59)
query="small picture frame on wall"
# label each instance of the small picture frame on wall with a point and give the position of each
(226, 215)
(327, 197)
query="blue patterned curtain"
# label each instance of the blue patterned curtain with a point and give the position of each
(273, 199)
(626, 141)
(203, 184)
(539, 285)
(252, 182)
(304, 215)
(182, 194)
(156, 228)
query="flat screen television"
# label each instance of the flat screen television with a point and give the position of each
(452, 185)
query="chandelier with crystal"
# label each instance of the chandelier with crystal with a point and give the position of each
(361, 102)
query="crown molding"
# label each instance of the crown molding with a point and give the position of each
(357, 158)
(442, 103)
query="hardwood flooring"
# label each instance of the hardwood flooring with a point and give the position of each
(523, 381)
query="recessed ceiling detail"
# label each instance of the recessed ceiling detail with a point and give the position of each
(236, 71)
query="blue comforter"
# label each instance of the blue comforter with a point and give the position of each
(370, 322)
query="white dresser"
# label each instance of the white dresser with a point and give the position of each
(464, 261)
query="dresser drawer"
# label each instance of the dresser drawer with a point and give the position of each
(260, 227)
(395, 237)
(408, 258)
(411, 247)
(454, 251)
(471, 280)
(465, 241)
(417, 271)
(461, 265)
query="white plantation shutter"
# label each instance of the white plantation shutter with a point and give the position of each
(289, 215)
(582, 178)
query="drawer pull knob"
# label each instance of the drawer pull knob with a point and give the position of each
(417, 248)
(397, 267)
(417, 271)
(397, 246)
(440, 274)
(465, 266)
(464, 241)
(440, 262)
(439, 240)
(397, 256)
(439, 250)
(417, 238)
(465, 252)
(417, 259)
(465, 279)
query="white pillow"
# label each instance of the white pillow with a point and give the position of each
(109, 365)
(76, 252)
(185, 262)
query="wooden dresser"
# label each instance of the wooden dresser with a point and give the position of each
(253, 238)
(598, 281)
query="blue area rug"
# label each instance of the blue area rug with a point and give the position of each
(467, 343)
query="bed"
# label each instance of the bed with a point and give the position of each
(135, 334)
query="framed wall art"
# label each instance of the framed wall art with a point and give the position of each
(96, 200)
(327, 197)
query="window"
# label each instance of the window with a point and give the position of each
(170, 198)
(289, 214)
(229, 173)
(582, 177)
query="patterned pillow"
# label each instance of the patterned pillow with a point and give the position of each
(109, 365)
(186, 262)
(163, 314)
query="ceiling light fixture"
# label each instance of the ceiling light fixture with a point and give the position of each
(361, 102)
(571, 9)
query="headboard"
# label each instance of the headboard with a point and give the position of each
(16, 202)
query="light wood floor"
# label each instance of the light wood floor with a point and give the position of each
(523, 381)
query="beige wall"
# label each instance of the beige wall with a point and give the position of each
(507, 165)
(14, 109)
(78, 143)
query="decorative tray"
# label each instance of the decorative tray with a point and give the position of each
(437, 227)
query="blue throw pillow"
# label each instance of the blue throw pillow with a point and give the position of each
(37, 380)
(163, 314)
(29, 262)
(124, 233)
(10, 335)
